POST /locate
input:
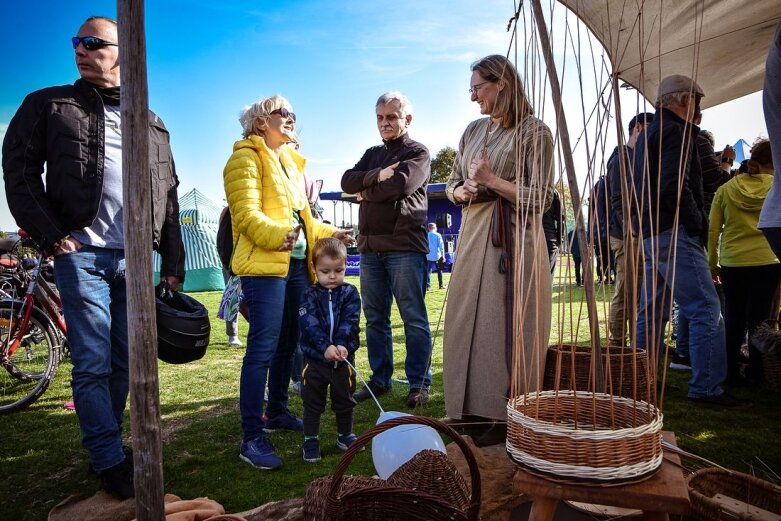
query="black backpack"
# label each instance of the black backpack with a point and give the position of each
(225, 239)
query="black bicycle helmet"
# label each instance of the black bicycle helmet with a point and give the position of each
(182, 327)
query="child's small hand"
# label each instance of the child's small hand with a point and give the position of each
(342, 352)
(332, 354)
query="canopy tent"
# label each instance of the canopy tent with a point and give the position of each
(723, 44)
(199, 218)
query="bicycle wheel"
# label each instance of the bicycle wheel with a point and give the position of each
(27, 373)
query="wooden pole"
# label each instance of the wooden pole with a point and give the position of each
(142, 325)
(572, 181)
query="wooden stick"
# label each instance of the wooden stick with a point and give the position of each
(142, 325)
(572, 181)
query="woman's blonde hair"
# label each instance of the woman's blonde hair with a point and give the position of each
(511, 104)
(259, 112)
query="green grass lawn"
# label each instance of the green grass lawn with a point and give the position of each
(42, 458)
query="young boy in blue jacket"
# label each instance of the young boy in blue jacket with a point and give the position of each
(328, 319)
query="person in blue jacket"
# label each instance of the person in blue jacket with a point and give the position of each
(328, 320)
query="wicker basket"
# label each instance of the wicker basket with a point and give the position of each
(426, 488)
(432, 472)
(718, 494)
(584, 437)
(771, 367)
(767, 340)
(570, 365)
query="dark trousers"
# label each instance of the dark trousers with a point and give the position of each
(434, 266)
(605, 260)
(748, 295)
(578, 276)
(316, 377)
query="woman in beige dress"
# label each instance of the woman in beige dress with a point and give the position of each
(503, 174)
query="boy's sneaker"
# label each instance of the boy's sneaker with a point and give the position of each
(681, 363)
(259, 452)
(234, 341)
(312, 450)
(118, 480)
(296, 387)
(287, 421)
(343, 441)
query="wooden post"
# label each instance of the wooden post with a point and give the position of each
(572, 181)
(142, 325)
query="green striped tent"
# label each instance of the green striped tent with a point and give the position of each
(199, 218)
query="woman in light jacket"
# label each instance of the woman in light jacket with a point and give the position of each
(273, 231)
(741, 258)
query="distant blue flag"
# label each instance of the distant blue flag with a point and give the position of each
(742, 151)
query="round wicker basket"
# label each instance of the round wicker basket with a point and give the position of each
(721, 495)
(584, 437)
(568, 367)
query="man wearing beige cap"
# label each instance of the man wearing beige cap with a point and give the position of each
(673, 227)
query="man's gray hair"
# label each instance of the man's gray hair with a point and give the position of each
(404, 104)
(672, 99)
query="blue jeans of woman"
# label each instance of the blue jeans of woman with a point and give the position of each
(91, 282)
(676, 266)
(399, 275)
(271, 343)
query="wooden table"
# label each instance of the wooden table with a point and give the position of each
(660, 495)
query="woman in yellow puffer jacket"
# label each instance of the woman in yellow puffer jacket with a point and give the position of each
(273, 231)
(740, 256)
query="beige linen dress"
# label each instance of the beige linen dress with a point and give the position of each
(476, 375)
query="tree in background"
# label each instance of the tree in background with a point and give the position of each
(442, 165)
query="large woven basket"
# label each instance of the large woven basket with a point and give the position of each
(426, 488)
(721, 495)
(570, 366)
(584, 437)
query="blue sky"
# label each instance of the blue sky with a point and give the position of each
(330, 58)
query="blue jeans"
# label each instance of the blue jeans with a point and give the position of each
(91, 282)
(273, 335)
(399, 275)
(698, 303)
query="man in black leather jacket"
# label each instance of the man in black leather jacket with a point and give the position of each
(75, 133)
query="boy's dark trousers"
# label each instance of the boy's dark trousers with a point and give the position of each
(316, 377)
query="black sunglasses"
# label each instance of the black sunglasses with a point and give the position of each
(284, 113)
(90, 42)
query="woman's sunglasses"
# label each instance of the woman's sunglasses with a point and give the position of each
(90, 42)
(284, 113)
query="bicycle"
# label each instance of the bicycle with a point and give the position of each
(32, 327)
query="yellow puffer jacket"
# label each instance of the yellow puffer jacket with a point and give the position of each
(261, 202)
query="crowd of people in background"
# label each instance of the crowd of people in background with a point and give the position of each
(667, 199)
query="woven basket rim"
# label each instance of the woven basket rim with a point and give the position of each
(589, 449)
(654, 414)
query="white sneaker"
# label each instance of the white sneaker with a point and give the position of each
(234, 341)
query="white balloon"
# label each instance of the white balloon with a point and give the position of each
(394, 447)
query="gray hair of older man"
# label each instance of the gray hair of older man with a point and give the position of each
(259, 113)
(404, 104)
